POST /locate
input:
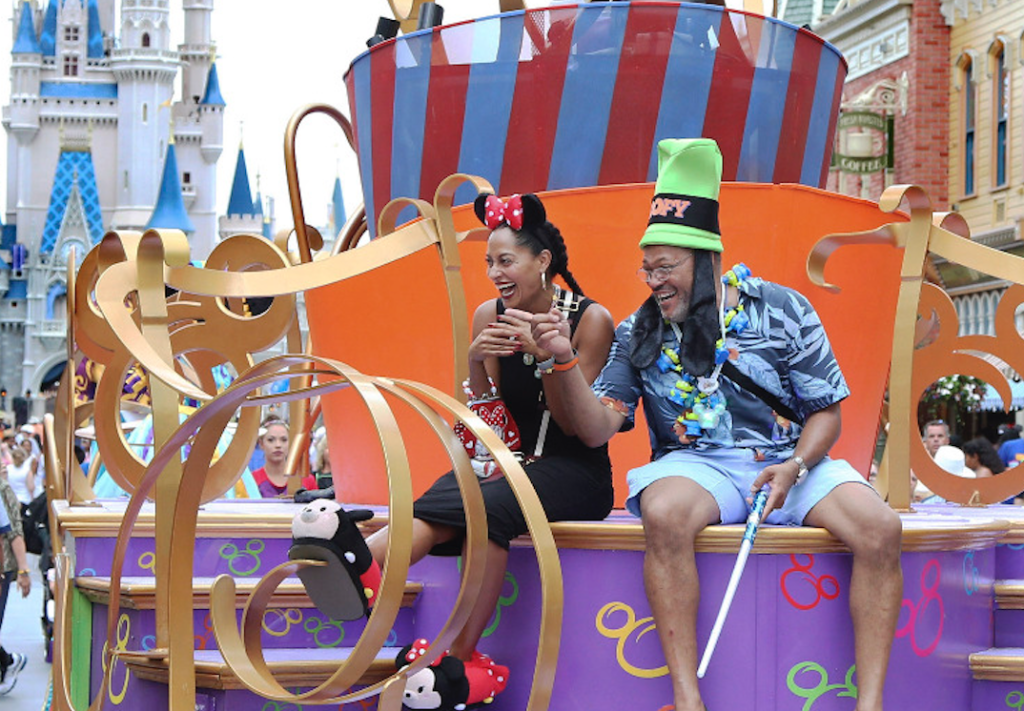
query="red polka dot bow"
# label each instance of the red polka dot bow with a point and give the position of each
(498, 211)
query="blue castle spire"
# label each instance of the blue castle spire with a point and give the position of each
(212, 95)
(240, 202)
(26, 43)
(170, 212)
(95, 48)
(337, 207)
(48, 37)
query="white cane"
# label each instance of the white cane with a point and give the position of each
(753, 523)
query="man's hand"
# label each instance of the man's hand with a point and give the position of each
(518, 325)
(24, 583)
(552, 333)
(780, 479)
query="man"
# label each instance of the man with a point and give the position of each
(726, 374)
(15, 568)
(1011, 446)
(935, 434)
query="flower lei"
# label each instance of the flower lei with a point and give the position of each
(699, 397)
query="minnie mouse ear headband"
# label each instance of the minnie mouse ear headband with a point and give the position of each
(517, 212)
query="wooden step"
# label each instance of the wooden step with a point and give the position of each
(139, 592)
(291, 667)
(934, 529)
(1009, 594)
(998, 664)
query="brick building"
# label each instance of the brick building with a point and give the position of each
(898, 54)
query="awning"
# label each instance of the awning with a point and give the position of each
(993, 402)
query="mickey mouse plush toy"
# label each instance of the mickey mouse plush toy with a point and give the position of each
(347, 586)
(450, 684)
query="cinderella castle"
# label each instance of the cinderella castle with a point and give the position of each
(98, 140)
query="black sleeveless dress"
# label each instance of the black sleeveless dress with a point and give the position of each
(572, 480)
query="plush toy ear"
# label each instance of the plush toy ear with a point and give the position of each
(480, 206)
(534, 213)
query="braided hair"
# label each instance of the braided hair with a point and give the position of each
(537, 234)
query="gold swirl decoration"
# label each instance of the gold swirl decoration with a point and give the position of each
(123, 317)
(242, 651)
(435, 230)
(196, 332)
(917, 363)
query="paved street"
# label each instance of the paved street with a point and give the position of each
(22, 632)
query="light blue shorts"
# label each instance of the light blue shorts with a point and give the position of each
(727, 474)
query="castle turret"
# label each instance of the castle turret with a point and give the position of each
(211, 117)
(94, 42)
(145, 69)
(200, 116)
(48, 35)
(26, 41)
(337, 210)
(197, 51)
(241, 214)
(26, 64)
(169, 212)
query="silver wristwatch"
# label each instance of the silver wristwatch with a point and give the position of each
(802, 473)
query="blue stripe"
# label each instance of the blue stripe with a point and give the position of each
(412, 83)
(691, 65)
(77, 90)
(821, 114)
(767, 104)
(364, 130)
(492, 84)
(587, 95)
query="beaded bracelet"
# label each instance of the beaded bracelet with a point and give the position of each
(493, 395)
(544, 367)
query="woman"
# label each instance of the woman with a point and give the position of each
(983, 458)
(322, 463)
(272, 477)
(573, 481)
(21, 475)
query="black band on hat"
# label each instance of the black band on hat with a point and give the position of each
(686, 210)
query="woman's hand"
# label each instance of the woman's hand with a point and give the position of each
(519, 325)
(552, 333)
(495, 340)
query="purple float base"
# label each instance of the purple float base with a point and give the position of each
(237, 557)
(789, 633)
(787, 644)
(998, 696)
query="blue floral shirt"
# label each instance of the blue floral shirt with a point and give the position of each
(784, 350)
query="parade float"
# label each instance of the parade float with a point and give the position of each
(178, 599)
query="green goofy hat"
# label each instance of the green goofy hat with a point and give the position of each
(684, 210)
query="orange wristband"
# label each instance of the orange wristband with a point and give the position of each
(566, 366)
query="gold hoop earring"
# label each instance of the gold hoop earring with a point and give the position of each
(544, 281)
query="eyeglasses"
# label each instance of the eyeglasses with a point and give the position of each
(658, 273)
